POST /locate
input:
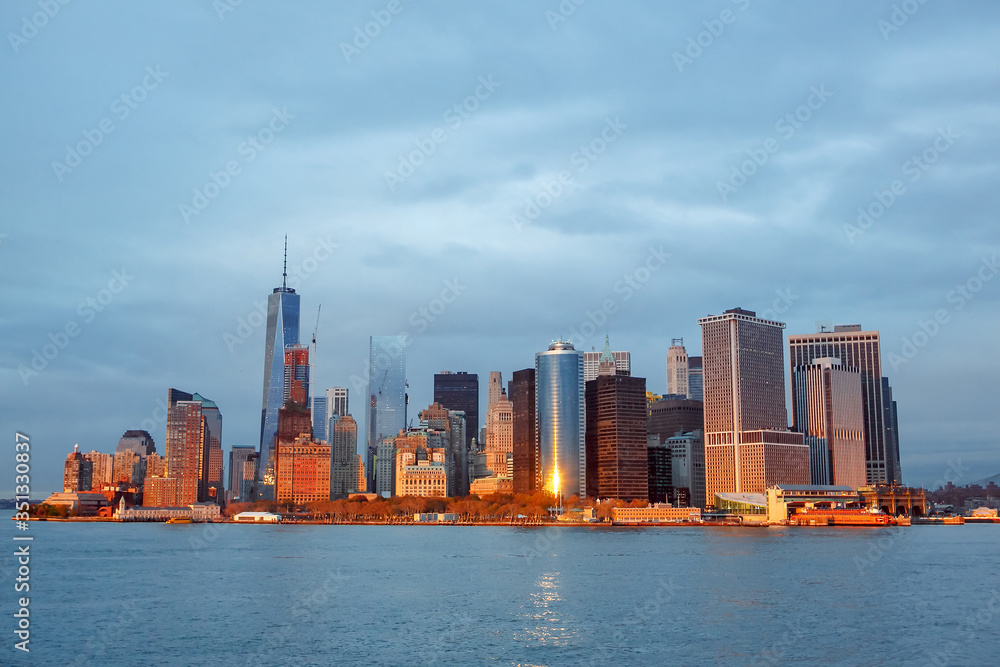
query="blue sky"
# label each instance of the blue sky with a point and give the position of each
(632, 165)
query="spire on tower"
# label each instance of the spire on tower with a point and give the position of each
(284, 269)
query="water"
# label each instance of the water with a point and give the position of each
(134, 594)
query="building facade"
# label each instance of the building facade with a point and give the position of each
(460, 391)
(592, 362)
(282, 331)
(560, 419)
(303, 470)
(194, 446)
(670, 416)
(386, 390)
(829, 413)
(696, 380)
(677, 369)
(78, 472)
(344, 458)
(748, 446)
(862, 350)
(241, 487)
(616, 452)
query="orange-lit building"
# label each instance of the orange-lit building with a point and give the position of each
(302, 470)
(748, 446)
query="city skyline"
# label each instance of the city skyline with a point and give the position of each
(116, 291)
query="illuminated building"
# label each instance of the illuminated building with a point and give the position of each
(677, 369)
(296, 375)
(282, 331)
(748, 446)
(829, 413)
(194, 446)
(559, 411)
(78, 472)
(861, 350)
(499, 434)
(495, 389)
(362, 480)
(103, 469)
(302, 470)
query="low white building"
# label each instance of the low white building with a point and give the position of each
(257, 517)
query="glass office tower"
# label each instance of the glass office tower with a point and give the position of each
(386, 388)
(559, 411)
(282, 331)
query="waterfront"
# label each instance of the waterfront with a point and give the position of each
(241, 594)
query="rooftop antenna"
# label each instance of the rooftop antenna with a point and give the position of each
(284, 268)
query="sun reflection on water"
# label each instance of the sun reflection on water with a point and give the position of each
(544, 626)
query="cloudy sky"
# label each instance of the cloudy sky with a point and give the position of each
(553, 170)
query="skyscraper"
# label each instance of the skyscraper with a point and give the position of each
(616, 455)
(77, 472)
(857, 349)
(282, 331)
(303, 470)
(321, 421)
(386, 388)
(194, 434)
(748, 446)
(140, 442)
(524, 432)
(344, 457)
(296, 375)
(828, 412)
(460, 391)
(495, 388)
(238, 486)
(677, 368)
(559, 411)
(695, 380)
(592, 361)
(669, 416)
(891, 420)
(499, 435)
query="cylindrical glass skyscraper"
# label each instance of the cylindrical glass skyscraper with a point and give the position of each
(560, 419)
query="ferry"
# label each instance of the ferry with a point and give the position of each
(836, 517)
(180, 519)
